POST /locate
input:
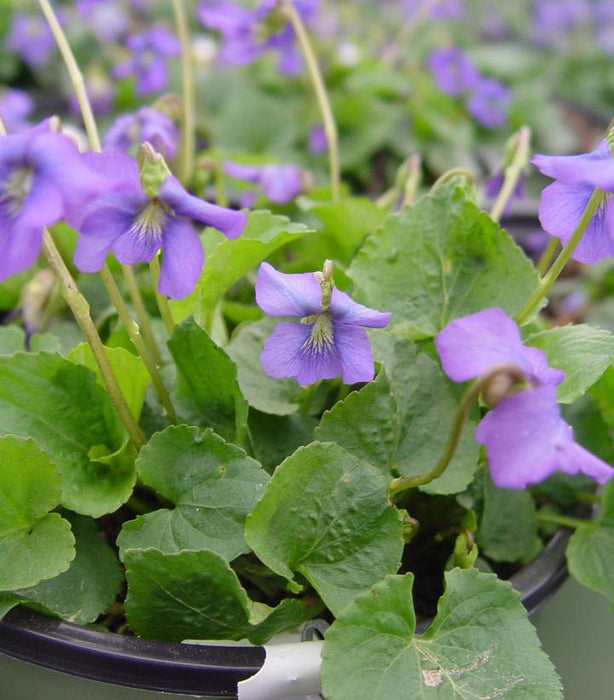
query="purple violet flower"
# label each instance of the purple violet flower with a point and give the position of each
(107, 19)
(43, 179)
(452, 71)
(280, 183)
(562, 202)
(489, 102)
(524, 435)
(135, 226)
(30, 38)
(329, 339)
(318, 143)
(15, 108)
(148, 62)
(147, 124)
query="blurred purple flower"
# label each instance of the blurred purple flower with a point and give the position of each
(554, 20)
(525, 437)
(15, 108)
(452, 71)
(30, 37)
(148, 62)
(318, 143)
(563, 202)
(328, 341)
(148, 124)
(43, 178)
(493, 186)
(489, 102)
(135, 226)
(437, 9)
(107, 18)
(280, 183)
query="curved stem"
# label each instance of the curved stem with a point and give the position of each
(328, 120)
(557, 267)
(547, 255)
(187, 87)
(413, 180)
(141, 314)
(513, 172)
(563, 520)
(470, 396)
(163, 306)
(80, 309)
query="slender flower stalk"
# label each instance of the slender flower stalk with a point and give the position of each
(467, 401)
(413, 180)
(162, 301)
(80, 309)
(547, 255)
(328, 120)
(141, 314)
(564, 520)
(187, 82)
(557, 267)
(513, 172)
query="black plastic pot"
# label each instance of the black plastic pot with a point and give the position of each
(212, 671)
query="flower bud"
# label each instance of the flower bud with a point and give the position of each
(500, 385)
(153, 169)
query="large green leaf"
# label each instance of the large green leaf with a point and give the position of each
(128, 368)
(400, 422)
(590, 553)
(480, 645)
(212, 484)
(196, 595)
(34, 543)
(90, 585)
(207, 390)
(583, 352)
(325, 514)
(62, 407)
(440, 259)
(12, 339)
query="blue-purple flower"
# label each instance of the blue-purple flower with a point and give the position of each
(489, 102)
(524, 435)
(107, 18)
(147, 124)
(329, 339)
(30, 38)
(135, 226)
(318, 142)
(15, 108)
(452, 71)
(280, 183)
(43, 178)
(148, 60)
(562, 203)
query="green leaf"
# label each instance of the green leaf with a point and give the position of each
(590, 552)
(440, 259)
(602, 394)
(480, 645)
(12, 339)
(208, 391)
(90, 585)
(196, 595)
(231, 259)
(277, 396)
(129, 370)
(508, 527)
(34, 543)
(582, 352)
(212, 484)
(325, 514)
(400, 421)
(63, 408)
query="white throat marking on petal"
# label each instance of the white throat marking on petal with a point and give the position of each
(321, 336)
(149, 221)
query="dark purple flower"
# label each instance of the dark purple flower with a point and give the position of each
(452, 71)
(148, 62)
(107, 19)
(15, 108)
(525, 437)
(280, 183)
(31, 38)
(135, 226)
(328, 341)
(493, 186)
(148, 124)
(318, 143)
(43, 178)
(489, 102)
(562, 203)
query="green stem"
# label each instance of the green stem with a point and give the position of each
(551, 276)
(187, 82)
(76, 77)
(450, 175)
(412, 181)
(141, 314)
(470, 396)
(80, 309)
(328, 120)
(563, 520)
(513, 172)
(547, 255)
(163, 306)
(135, 336)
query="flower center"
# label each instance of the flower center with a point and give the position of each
(321, 337)
(149, 222)
(16, 188)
